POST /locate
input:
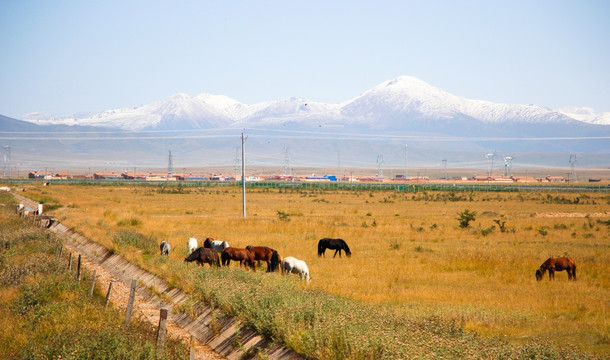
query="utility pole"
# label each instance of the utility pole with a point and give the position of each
(286, 162)
(7, 160)
(572, 163)
(243, 172)
(406, 155)
(444, 169)
(170, 165)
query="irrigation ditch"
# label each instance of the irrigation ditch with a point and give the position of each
(210, 337)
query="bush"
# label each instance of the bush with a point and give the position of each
(137, 240)
(465, 217)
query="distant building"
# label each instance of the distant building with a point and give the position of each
(107, 176)
(37, 175)
(555, 178)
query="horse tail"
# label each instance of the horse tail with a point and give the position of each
(225, 258)
(275, 260)
(321, 247)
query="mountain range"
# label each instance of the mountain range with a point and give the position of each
(204, 130)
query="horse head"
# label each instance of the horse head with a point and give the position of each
(539, 274)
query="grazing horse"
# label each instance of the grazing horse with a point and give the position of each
(165, 248)
(203, 255)
(244, 257)
(266, 254)
(333, 244)
(553, 264)
(295, 266)
(192, 245)
(215, 245)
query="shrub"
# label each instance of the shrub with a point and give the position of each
(465, 217)
(129, 222)
(283, 216)
(501, 224)
(137, 240)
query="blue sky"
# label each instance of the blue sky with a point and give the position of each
(66, 57)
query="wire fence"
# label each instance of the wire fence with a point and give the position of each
(332, 185)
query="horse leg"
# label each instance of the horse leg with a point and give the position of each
(336, 254)
(551, 274)
(571, 273)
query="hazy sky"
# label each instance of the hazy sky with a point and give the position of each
(66, 57)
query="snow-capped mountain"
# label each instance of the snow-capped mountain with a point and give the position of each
(397, 102)
(435, 124)
(586, 115)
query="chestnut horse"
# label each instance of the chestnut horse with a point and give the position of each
(244, 257)
(266, 254)
(203, 255)
(553, 264)
(333, 244)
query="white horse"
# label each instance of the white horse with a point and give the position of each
(215, 245)
(295, 266)
(192, 245)
(165, 248)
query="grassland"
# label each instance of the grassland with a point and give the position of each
(47, 314)
(409, 252)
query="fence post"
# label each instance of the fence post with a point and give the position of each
(78, 269)
(92, 283)
(192, 348)
(70, 262)
(132, 295)
(61, 251)
(162, 328)
(108, 293)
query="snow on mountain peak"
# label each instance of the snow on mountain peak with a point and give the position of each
(404, 98)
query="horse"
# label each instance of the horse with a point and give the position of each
(553, 264)
(165, 248)
(333, 244)
(204, 255)
(266, 254)
(295, 266)
(215, 245)
(192, 245)
(244, 257)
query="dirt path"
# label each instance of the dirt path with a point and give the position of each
(119, 296)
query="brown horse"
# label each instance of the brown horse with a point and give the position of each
(266, 254)
(244, 257)
(553, 264)
(204, 255)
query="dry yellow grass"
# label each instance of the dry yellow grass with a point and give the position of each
(408, 249)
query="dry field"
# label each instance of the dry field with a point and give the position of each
(408, 248)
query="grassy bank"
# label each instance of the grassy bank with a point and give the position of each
(47, 314)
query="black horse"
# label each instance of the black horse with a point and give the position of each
(333, 244)
(204, 255)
